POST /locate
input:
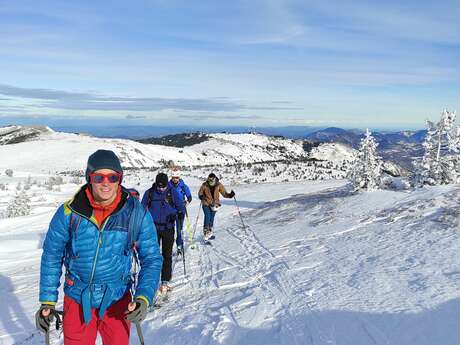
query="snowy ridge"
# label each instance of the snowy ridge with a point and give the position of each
(221, 150)
(249, 148)
(17, 134)
(333, 152)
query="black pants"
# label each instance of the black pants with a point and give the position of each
(166, 242)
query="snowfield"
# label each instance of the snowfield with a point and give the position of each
(315, 264)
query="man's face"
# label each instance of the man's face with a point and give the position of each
(104, 190)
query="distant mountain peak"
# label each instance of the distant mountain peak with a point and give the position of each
(15, 134)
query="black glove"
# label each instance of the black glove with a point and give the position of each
(43, 322)
(231, 194)
(201, 197)
(139, 313)
(189, 199)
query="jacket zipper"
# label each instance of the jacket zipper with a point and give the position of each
(99, 243)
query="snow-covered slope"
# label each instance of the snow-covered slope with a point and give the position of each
(56, 148)
(53, 152)
(316, 264)
(18, 134)
(249, 148)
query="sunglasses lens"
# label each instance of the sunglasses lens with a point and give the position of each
(113, 178)
(97, 178)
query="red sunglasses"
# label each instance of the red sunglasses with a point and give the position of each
(100, 178)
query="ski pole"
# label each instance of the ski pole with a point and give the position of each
(189, 231)
(58, 314)
(238, 208)
(183, 261)
(139, 333)
(188, 226)
(183, 251)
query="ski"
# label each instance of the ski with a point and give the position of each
(207, 242)
(160, 300)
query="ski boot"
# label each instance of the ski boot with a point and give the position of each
(211, 233)
(206, 233)
(164, 288)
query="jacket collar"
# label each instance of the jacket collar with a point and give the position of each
(80, 203)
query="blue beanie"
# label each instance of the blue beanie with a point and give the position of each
(103, 159)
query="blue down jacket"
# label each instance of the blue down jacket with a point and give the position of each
(182, 189)
(98, 261)
(163, 206)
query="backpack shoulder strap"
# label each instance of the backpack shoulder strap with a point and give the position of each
(168, 198)
(184, 191)
(149, 200)
(135, 220)
(134, 225)
(75, 221)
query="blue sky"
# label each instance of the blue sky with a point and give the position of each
(264, 63)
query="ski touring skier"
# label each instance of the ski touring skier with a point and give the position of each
(209, 194)
(96, 235)
(165, 205)
(184, 191)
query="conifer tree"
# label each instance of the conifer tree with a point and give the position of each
(440, 163)
(366, 170)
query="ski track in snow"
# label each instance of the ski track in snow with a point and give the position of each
(316, 264)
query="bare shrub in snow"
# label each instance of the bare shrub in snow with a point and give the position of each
(167, 164)
(28, 183)
(76, 180)
(9, 172)
(19, 206)
(258, 170)
(54, 181)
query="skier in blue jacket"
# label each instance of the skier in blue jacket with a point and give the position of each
(165, 205)
(184, 191)
(95, 235)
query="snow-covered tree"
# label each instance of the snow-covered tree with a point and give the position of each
(366, 170)
(440, 163)
(19, 206)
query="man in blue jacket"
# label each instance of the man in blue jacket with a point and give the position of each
(165, 205)
(96, 235)
(179, 185)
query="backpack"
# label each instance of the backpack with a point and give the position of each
(168, 198)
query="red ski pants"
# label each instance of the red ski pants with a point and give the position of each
(113, 328)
